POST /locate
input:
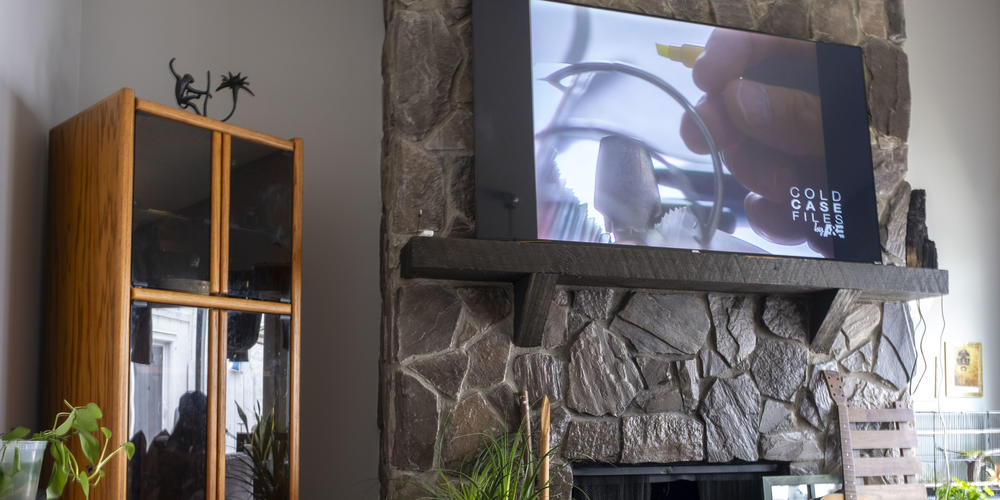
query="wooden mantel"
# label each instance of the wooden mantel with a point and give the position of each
(535, 268)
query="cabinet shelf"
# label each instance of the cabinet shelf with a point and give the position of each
(535, 268)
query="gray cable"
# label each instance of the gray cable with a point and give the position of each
(707, 230)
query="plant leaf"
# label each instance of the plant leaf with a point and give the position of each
(106, 432)
(57, 483)
(64, 428)
(91, 448)
(85, 421)
(129, 450)
(94, 411)
(16, 434)
(84, 484)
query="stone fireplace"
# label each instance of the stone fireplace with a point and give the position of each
(637, 377)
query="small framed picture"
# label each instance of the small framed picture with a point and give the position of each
(964, 370)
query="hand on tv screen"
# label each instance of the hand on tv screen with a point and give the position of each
(766, 122)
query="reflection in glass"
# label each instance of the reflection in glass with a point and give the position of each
(260, 218)
(168, 402)
(257, 406)
(171, 218)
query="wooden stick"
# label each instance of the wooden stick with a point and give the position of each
(526, 424)
(543, 450)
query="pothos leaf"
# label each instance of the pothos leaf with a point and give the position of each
(57, 483)
(129, 450)
(91, 448)
(16, 434)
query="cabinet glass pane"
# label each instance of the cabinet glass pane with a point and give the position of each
(168, 403)
(257, 406)
(260, 221)
(171, 218)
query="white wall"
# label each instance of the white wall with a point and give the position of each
(39, 70)
(955, 155)
(314, 66)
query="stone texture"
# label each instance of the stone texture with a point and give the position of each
(661, 399)
(462, 194)
(808, 411)
(504, 401)
(871, 13)
(642, 341)
(597, 440)
(444, 371)
(655, 371)
(711, 364)
(468, 424)
(691, 10)
(786, 317)
(561, 483)
(779, 368)
(895, 20)
(458, 9)
(575, 322)
(733, 13)
(485, 305)
(890, 168)
(426, 321)
(680, 320)
(594, 303)
(731, 412)
(834, 21)
(786, 18)
(421, 201)
(556, 326)
(889, 87)
(690, 383)
(734, 326)
(541, 374)
(892, 231)
(654, 7)
(488, 359)
(776, 417)
(454, 134)
(423, 59)
(859, 360)
(861, 322)
(416, 425)
(662, 438)
(897, 331)
(869, 395)
(602, 377)
(889, 367)
(791, 446)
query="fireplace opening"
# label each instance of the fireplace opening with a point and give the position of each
(673, 482)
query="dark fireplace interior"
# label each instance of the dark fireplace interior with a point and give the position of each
(673, 482)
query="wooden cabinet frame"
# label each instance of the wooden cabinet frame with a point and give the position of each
(88, 276)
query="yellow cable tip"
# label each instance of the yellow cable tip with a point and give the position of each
(685, 54)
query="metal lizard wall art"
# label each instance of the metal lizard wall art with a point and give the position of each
(187, 95)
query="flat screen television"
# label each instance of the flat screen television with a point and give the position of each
(600, 126)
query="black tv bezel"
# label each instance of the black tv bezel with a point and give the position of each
(503, 102)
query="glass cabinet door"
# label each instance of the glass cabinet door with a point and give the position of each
(172, 197)
(260, 221)
(257, 406)
(168, 402)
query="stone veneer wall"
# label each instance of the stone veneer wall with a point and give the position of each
(636, 376)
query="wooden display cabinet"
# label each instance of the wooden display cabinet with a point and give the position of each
(173, 296)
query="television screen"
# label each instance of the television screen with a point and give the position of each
(599, 126)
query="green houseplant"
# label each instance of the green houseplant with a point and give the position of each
(505, 470)
(79, 424)
(961, 490)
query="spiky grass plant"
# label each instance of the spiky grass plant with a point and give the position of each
(505, 470)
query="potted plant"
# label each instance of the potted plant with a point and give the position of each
(22, 455)
(505, 470)
(961, 490)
